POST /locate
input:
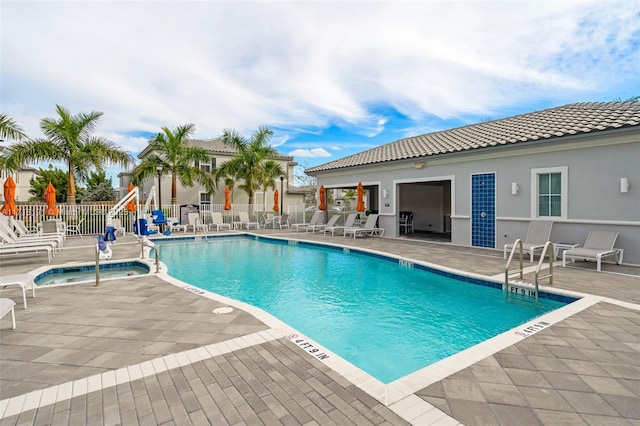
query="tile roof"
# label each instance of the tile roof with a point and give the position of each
(552, 123)
(215, 146)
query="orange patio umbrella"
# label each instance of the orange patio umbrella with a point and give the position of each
(131, 205)
(227, 198)
(50, 199)
(360, 205)
(276, 196)
(9, 208)
(323, 205)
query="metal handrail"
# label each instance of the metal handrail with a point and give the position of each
(548, 246)
(143, 244)
(516, 244)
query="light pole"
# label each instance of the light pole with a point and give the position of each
(281, 194)
(159, 170)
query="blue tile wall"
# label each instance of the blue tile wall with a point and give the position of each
(483, 210)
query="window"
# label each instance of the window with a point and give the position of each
(205, 198)
(208, 166)
(549, 195)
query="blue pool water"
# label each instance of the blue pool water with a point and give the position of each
(87, 273)
(387, 319)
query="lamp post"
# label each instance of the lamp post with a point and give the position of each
(159, 170)
(281, 194)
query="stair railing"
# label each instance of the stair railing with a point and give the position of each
(517, 245)
(548, 247)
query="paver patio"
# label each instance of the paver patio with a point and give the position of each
(143, 351)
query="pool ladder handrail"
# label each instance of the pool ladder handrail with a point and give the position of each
(548, 246)
(143, 244)
(516, 245)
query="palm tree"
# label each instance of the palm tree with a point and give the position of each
(172, 152)
(270, 171)
(249, 163)
(70, 139)
(9, 129)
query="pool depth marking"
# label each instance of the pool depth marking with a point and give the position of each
(532, 329)
(310, 348)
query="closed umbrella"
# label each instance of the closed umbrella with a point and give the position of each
(323, 205)
(50, 199)
(227, 198)
(131, 205)
(9, 208)
(360, 205)
(276, 196)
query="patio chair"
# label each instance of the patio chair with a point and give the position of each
(245, 221)
(320, 227)
(218, 222)
(22, 229)
(348, 223)
(538, 234)
(175, 225)
(369, 228)
(55, 241)
(599, 244)
(282, 221)
(7, 305)
(406, 222)
(21, 280)
(314, 221)
(75, 229)
(196, 223)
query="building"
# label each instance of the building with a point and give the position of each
(22, 179)
(479, 185)
(196, 195)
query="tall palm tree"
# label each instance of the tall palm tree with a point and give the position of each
(70, 139)
(270, 171)
(248, 163)
(9, 129)
(177, 158)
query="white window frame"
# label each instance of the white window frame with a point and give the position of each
(207, 167)
(564, 188)
(200, 194)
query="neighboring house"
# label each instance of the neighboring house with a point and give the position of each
(219, 153)
(479, 185)
(22, 179)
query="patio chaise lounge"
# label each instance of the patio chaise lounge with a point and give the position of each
(21, 280)
(599, 244)
(9, 236)
(195, 222)
(8, 248)
(7, 305)
(538, 234)
(218, 222)
(320, 227)
(314, 221)
(369, 228)
(348, 223)
(245, 221)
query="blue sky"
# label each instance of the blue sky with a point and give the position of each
(330, 78)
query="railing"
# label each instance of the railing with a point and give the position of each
(145, 243)
(516, 245)
(547, 247)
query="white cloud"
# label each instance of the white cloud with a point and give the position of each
(310, 153)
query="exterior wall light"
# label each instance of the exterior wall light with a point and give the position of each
(624, 185)
(514, 188)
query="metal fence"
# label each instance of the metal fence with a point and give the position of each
(92, 217)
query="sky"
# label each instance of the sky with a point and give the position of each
(330, 78)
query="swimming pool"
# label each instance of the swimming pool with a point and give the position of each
(387, 319)
(87, 273)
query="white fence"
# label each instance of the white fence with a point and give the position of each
(93, 216)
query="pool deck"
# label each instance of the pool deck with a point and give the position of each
(145, 350)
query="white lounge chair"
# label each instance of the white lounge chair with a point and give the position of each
(7, 305)
(245, 221)
(348, 223)
(75, 228)
(282, 221)
(369, 228)
(599, 244)
(16, 249)
(10, 240)
(21, 280)
(314, 221)
(538, 234)
(21, 228)
(174, 225)
(196, 223)
(218, 222)
(320, 227)
(8, 235)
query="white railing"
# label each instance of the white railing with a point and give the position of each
(95, 215)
